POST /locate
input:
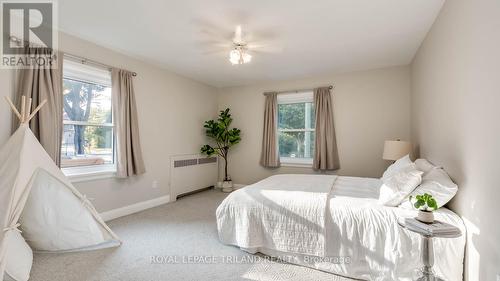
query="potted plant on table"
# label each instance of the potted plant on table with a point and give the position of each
(224, 138)
(425, 204)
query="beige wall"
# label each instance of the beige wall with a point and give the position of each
(456, 119)
(6, 89)
(171, 112)
(370, 107)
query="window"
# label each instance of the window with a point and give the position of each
(296, 128)
(88, 139)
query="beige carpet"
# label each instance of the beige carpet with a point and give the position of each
(178, 235)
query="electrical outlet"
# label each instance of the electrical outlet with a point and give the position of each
(154, 184)
(498, 277)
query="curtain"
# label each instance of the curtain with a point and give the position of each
(270, 156)
(128, 146)
(40, 83)
(325, 154)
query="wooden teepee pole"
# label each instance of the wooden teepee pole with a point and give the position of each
(28, 109)
(25, 116)
(23, 109)
(36, 110)
(13, 107)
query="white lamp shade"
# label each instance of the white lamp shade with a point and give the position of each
(393, 150)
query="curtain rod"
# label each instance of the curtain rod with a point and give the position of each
(301, 90)
(75, 57)
(89, 61)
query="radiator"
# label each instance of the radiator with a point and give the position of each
(190, 173)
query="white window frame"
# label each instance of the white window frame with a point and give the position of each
(91, 172)
(291, 98)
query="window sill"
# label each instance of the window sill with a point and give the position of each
(296, 163)
(89, 173)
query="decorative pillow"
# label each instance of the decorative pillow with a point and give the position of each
(424, 165)
(397, 166)
(438, 184)
(396, 188)
(19, 257)
(54, 219)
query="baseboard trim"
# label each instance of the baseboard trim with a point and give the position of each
(134, 208)
(193, 192)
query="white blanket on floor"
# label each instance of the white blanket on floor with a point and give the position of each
(284, 213)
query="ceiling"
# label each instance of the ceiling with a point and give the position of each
(316, 37)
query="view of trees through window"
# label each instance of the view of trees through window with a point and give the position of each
(88, 125)
(296, 130)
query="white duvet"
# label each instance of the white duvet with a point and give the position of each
(333, 224)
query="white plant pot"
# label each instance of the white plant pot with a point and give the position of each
(227, 186)
(426, 217)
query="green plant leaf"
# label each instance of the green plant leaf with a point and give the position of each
(221, 134)
(208, 150)
(419, 203)
(432, 203)
(425, 202)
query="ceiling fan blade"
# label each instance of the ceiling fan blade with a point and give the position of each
(214, 42)
(222, 45)
(214, 52)
(215, 39)
(238, 35)
(262, 48)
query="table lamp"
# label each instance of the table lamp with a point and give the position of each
(393, 150)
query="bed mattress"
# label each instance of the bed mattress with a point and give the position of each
(362, 239)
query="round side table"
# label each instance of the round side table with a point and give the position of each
(427, 252)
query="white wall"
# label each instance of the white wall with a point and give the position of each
(456, 122)
(369, 107)
(171, 112)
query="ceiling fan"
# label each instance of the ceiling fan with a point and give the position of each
(239, 48)
(239, 54)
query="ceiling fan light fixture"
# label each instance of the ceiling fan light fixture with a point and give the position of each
(247, 58)
(239, 56)
(234, 56)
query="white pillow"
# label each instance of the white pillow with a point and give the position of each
(397, 166)
(424, 165)
(54, 219)
(438, 184)
(18, 256)
(396, 188)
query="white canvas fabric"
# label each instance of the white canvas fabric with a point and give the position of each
(45, 231)
(20, 255)
(24, 163)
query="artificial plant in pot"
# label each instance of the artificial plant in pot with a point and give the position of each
(425, 204)
(224, 138)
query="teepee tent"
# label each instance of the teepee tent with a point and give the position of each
(39, 207)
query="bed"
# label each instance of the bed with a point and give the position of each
(335, 224)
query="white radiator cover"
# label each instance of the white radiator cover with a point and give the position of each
(191, 172)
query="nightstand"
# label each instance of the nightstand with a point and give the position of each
(427, 251)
